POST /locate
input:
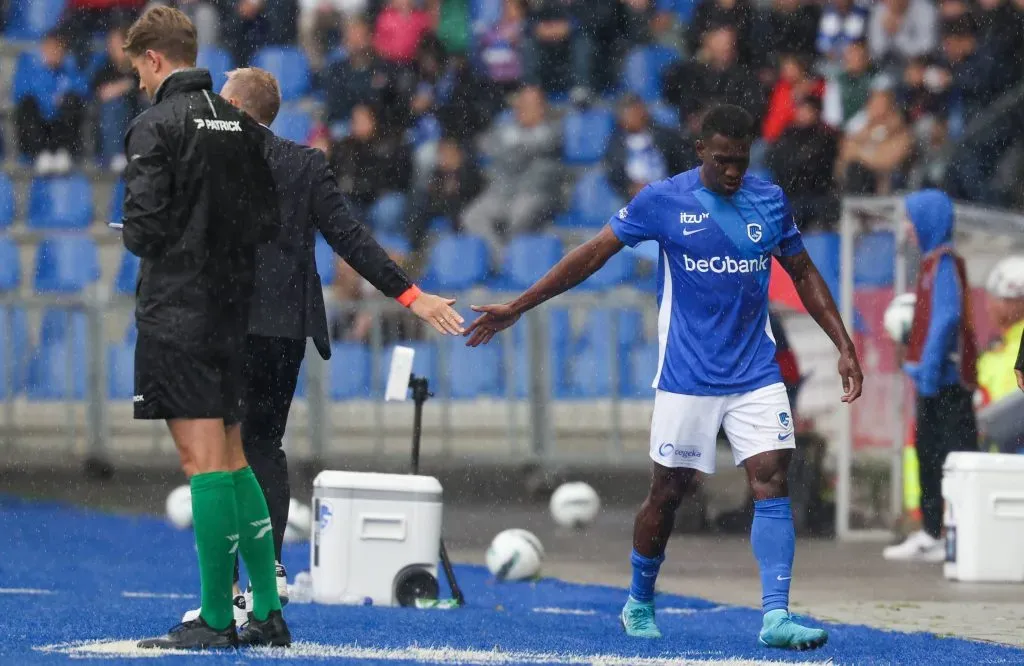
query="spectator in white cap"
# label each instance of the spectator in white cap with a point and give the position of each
(1005, 287)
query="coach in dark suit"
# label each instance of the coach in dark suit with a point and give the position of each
(288, 303)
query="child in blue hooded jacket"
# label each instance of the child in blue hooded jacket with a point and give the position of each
(941, 360)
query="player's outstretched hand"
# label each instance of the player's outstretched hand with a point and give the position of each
(853, 378)
(494, 318)
(1020, 379)
(438, 312)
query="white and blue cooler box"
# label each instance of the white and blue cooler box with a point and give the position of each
(984, 517)
(375, 537)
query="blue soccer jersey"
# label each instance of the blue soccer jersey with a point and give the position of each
(715, 260)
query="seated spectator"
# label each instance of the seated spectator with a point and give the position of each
(349, 323)
(877, 145)
(801, 163)
(250, 25)
(84, 18)
(359, 78)
(847, 93)
(902, 29)
(547, 49)
(525, 173)
(640, 152)
(931, 157)
(713, 15)
(455, 181)
(453, 19)
(49, 107)
(842, 23)
(920, 93)
(715, 76)
(114, 89)
(370, 161)
(319, 21)
(399, 29)
(795, 82)
(790, 26)
(501, 46)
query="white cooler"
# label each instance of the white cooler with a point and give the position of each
(984, 517)
(376, 538)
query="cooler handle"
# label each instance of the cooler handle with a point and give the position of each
(1008, 505)
(382, 527)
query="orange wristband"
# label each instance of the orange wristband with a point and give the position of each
(409, 295)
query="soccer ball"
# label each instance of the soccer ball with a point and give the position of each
(179, 507)
(574, 504)
(515, 554)
(898, 317)
(300, 522)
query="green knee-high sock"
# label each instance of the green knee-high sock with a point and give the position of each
(257, 542)
(216, 527)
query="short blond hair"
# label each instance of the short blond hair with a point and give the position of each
(257, 92)
(165, 30)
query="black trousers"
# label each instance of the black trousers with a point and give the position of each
(272, 372)
(945, 423)
(36, 133)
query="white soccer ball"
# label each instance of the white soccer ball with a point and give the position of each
(898, 317)
(515, 555)
(179, 507)
(575, 504)
(300, 522)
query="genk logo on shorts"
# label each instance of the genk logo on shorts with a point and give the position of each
(754, 231)
(784, 419)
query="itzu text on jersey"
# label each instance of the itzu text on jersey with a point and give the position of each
(714, 264)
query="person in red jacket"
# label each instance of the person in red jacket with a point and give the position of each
(795, 83)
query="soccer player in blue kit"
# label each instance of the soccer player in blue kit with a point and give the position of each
(717, 230)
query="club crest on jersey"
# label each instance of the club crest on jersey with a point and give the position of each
(623, 213)
(754, 231)
(693, 218)
(784, 419)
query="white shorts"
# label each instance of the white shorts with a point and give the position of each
(684, 428)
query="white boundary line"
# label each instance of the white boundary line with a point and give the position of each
(156, 595)
(411, 654)
(24, 590)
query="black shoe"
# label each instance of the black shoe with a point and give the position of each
(272, 632)
(194, 635)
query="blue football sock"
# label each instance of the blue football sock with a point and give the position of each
(774, 541)
(645, 573)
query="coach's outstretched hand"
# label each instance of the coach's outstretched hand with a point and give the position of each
(853, 378)
(494, 318)
(438, 312)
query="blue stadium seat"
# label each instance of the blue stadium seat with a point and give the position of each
(10, 265)
(586, 135)
(289, 65)
(31, 19)
(66, 264)
(64, 202)
(456, 262)
(664, 115)
(559, 330)
(641, 73)
(14, 346)
(424, 364)
(218, 61)
(121, 371)
(293, 124)
(394, 243)
(874, 260)
(474, 373)
(616, 272)
(594, 202)
(349, 373)
(528, 257)
(589, 372)
(117, 202)
(127, 274)
(56, 372)
(58, 324)
(598, 327)
(823, 248)
(325, 259)
(643, 364)
(7, 198)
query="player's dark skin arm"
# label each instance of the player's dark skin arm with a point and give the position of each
(573, 269)
(817, 298)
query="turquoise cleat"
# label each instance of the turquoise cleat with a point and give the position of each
(638, 619)
(779, 631)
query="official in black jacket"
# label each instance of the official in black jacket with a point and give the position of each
(199, 197)
(288, 304)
